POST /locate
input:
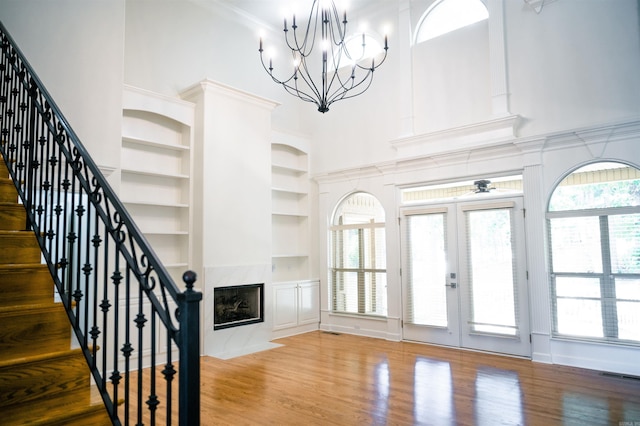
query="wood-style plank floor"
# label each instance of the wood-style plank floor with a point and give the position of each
(328, 379)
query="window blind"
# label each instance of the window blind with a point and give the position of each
(492, 271)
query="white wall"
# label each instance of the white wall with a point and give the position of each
(171, 45)
(76, 48)
(573, 65)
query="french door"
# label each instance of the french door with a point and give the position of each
(464, 275)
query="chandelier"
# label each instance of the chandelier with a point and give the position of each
(343, 73)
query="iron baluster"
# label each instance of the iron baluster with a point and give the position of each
(88, 240)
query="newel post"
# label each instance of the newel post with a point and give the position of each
(189, 370)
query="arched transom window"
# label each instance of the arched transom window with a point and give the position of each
(445, 16)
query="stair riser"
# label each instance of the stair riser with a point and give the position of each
(13, 218)
(19, 247)
(97, 417)
(8, 193)
(33, 331)
(20, 286)
(38, 381)
(58, 411)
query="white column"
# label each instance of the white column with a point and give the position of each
(233, 130)
(405, 66)
(535, 229)
(498, 61)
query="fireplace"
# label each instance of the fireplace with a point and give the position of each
(238, 305)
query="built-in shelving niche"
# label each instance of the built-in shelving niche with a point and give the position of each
(290, 212)
(156, 174)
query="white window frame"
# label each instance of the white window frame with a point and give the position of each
(606, 277)
(366, 301)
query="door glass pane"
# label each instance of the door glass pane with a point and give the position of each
(427, 298)
(575, 244)
(491, 271)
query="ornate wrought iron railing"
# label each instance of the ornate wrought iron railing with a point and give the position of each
(137, 329)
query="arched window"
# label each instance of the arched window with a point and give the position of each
(593, 222)
(445, 16)
(358, 262)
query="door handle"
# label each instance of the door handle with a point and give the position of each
(452, 285)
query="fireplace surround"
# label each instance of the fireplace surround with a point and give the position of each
(238, 305)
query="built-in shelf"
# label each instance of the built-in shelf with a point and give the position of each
(294, 214)
(156, 204)
(156, 164)
(289, 212)
(292, 255)
(155, 174)
(294, 169)
(165, 232)
(138, 141)
(176, 265)
(291, 191)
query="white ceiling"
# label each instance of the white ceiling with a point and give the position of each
(272, 12)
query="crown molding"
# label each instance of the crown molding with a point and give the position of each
(461, 138)
(460, 146)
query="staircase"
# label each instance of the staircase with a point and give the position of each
(43, 381)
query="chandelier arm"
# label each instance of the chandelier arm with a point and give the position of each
(345, 87)
(373, 66)
(294, 90)
(269, 71)
(343, 95)
(298, 93)
(306, 77)
(341, 30)
(302, 48)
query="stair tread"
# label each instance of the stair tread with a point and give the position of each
(26, 266)
(31, 307)
(39, 358)
(52, 411)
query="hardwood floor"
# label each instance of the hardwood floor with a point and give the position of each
(328, 379)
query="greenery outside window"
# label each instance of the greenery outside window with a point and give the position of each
(357, 270)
